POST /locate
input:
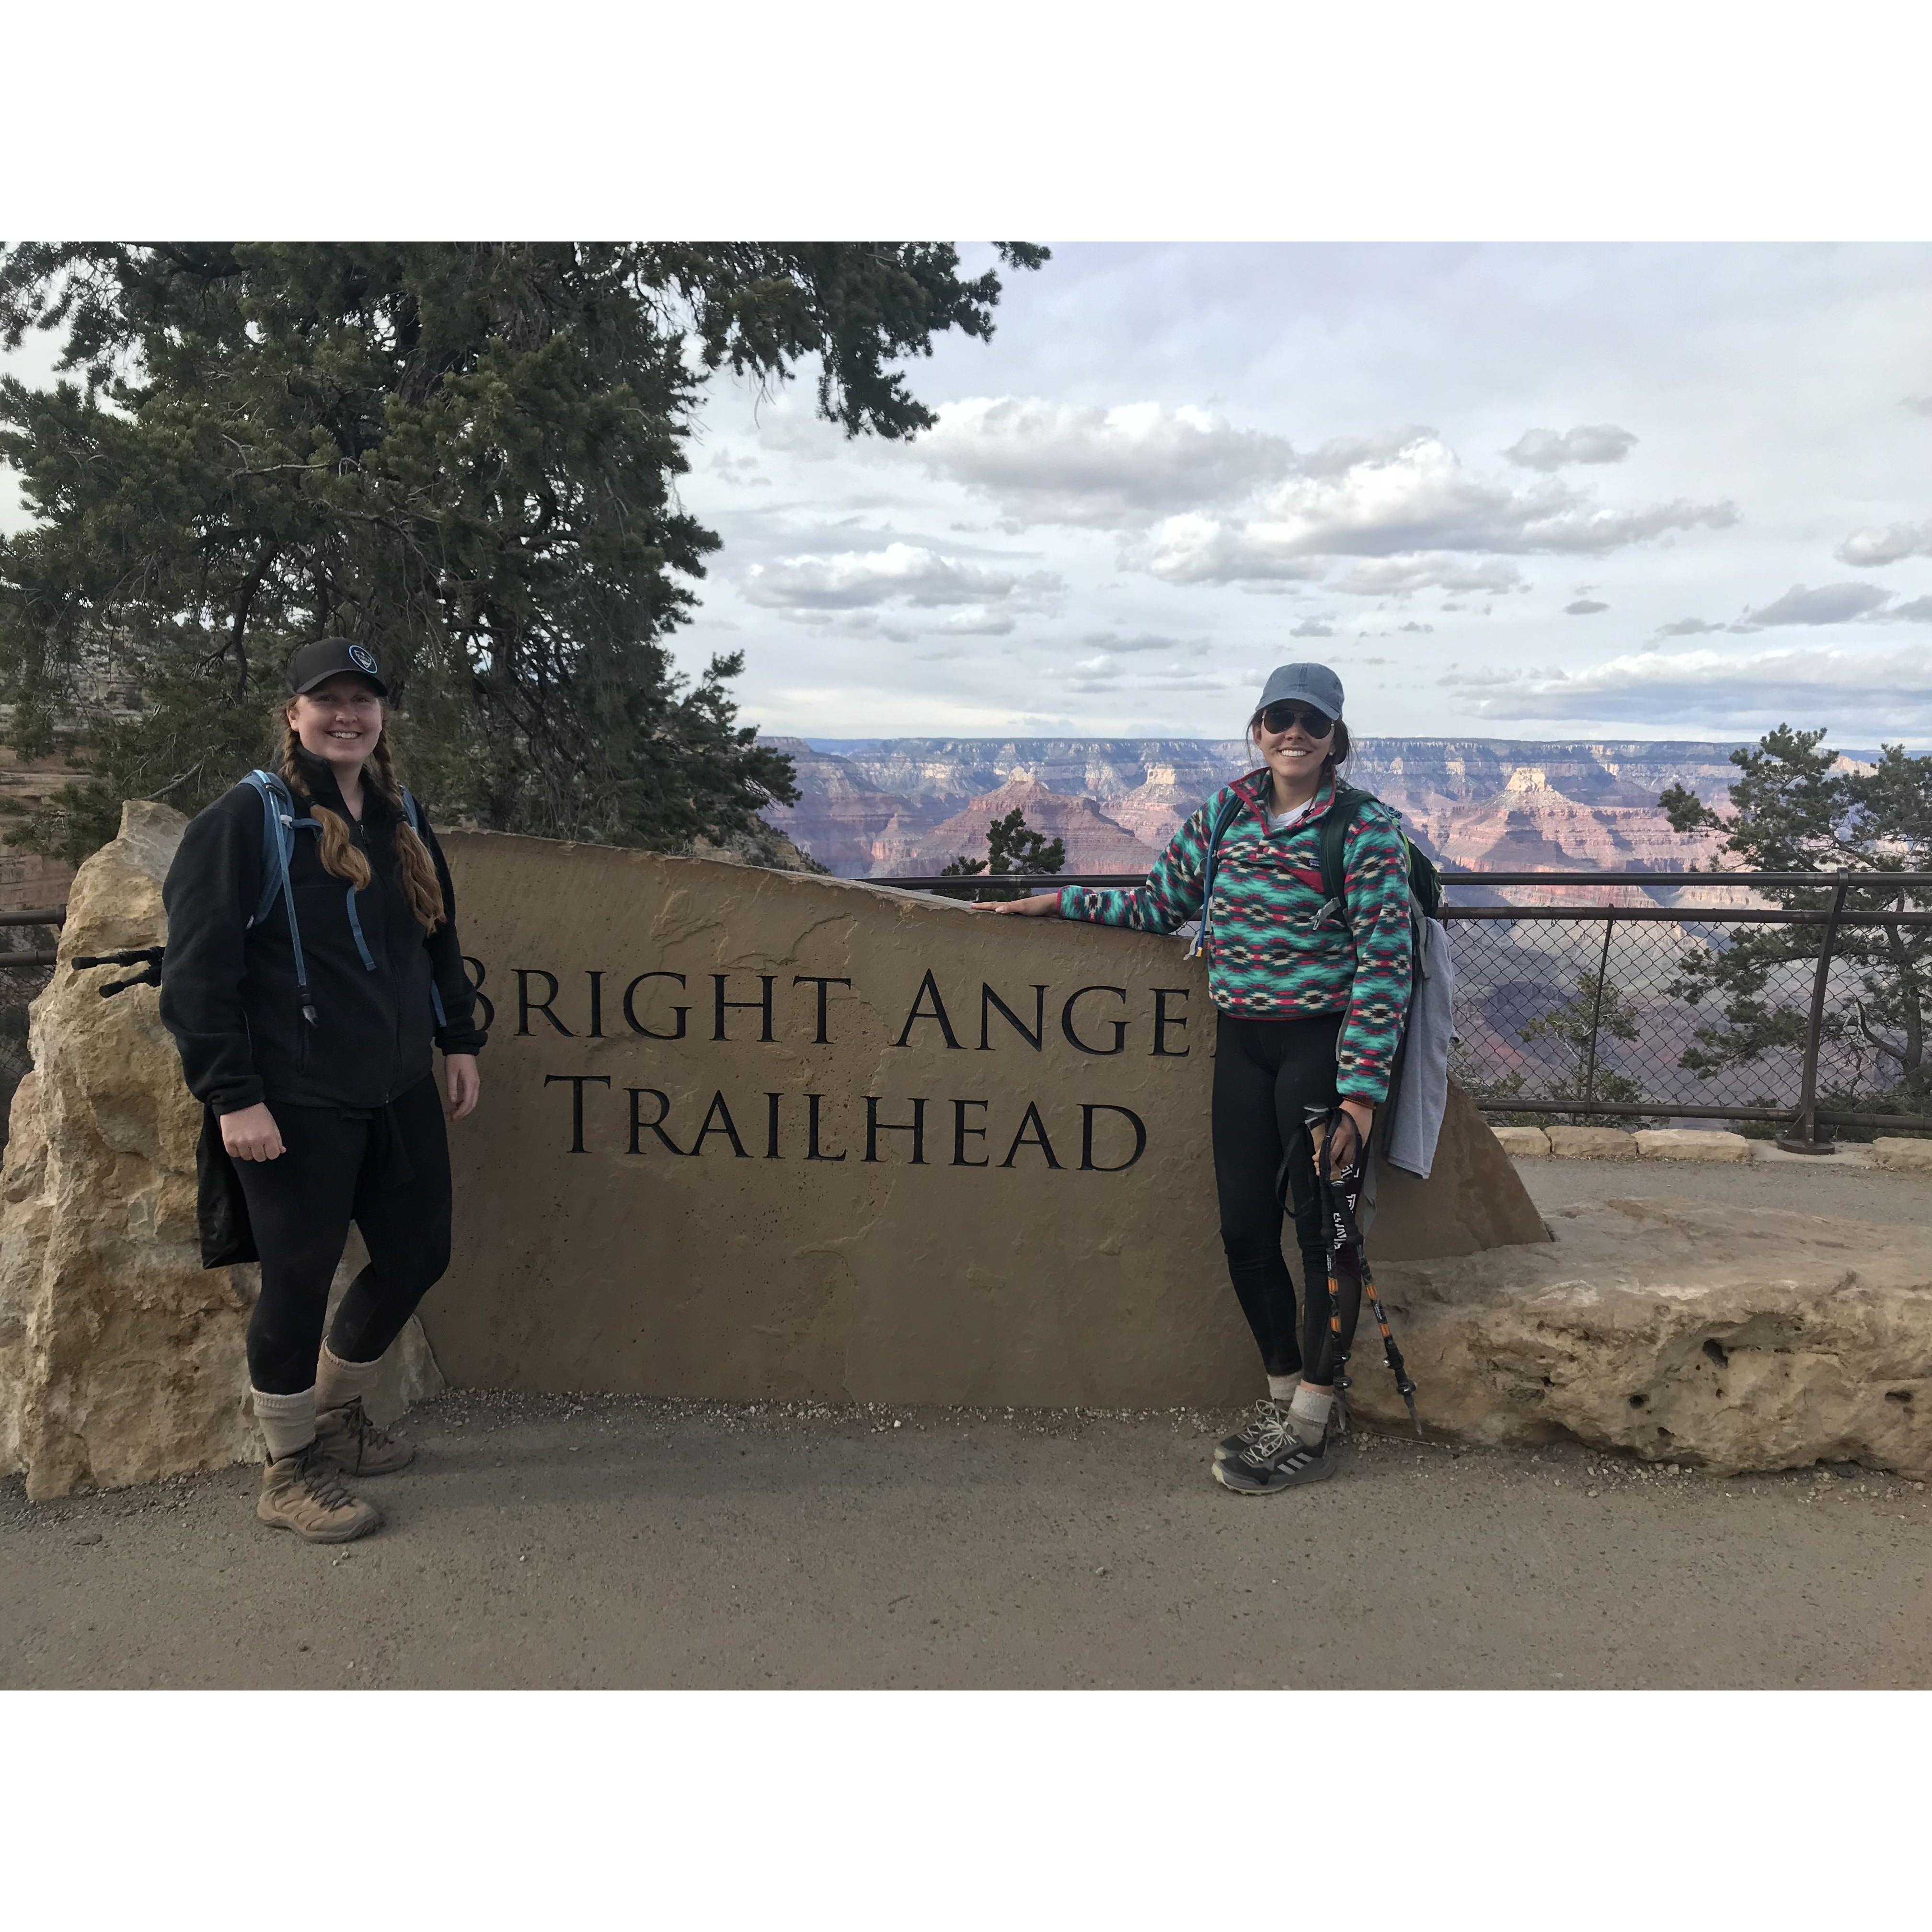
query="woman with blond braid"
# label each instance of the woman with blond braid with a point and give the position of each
(310, 1047)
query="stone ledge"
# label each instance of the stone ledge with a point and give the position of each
(1592, 1144)
(1729, 1337)
(1690, 1144)
(1521, 1143)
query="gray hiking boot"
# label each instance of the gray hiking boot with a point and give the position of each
(1268, 1415)
(359, 1446)
(1279, 1460)
(304, 1492)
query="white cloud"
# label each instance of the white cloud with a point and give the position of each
(1852, 688)
(1115, 468)
(1395, 504)
(1920, 405)
(1584, 607)
(1868, 549)
(1312, 627)
(1113, 643)
(1689, 627)
(1397, 576)
(1589, 442)
(1829, 603)
(907, 574)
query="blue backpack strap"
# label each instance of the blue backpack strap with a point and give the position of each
(416, 826)
(1230, 810)
(278, 837)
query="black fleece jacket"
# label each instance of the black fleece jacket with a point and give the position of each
(228, 992)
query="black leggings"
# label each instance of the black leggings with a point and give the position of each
(1266, 1073)
(389, 1173)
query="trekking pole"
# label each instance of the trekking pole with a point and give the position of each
(1339, 1197)
(147, 958)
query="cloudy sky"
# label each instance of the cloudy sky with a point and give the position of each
(1509, 491)
(1516, 491)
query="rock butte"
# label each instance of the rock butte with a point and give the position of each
(751, 1134)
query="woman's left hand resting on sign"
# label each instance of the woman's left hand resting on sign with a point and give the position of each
(1041, 905)
(465, 1083)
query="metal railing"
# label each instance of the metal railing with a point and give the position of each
(40, 956)
(1585, 1010)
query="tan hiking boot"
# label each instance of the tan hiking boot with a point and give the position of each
(359, 1446)
(304, 1492)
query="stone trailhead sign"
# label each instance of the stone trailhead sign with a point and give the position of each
(751, 1134)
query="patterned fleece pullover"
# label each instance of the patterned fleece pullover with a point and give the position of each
(1270, 954)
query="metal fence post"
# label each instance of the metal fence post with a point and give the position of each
(1597, 1013)
(1803, 1137)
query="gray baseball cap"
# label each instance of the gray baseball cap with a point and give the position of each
(1310, 683)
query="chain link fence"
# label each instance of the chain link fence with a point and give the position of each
(1798, 1003)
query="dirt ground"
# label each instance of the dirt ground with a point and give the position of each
(611, 1542)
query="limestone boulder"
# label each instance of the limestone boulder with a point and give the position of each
(1522, 1143)
(1729, 1338)
(1592, 1143)
(1902, 1155)
(120, 1356)
(1691, 1144)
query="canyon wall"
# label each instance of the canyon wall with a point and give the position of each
(874, 807)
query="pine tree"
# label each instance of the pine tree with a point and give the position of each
(462, 454)
(1796, 809)
(1012, 846)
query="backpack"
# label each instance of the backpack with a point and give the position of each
(1425, 878)
(280, 824)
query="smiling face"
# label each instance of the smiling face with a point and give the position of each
(1295, 754)
(339, 721)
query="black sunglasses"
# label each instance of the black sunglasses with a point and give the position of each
(1280, 717)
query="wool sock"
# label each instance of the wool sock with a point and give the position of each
(1308, 1414)
(1282, 1388)
(287, 1421)
(338, 1383)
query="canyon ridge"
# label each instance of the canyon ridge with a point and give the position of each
(877, 808)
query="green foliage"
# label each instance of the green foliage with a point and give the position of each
(462, 454)
(1595, 1010)
(1796, 810)
(1011, 846)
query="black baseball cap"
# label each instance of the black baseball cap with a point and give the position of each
(329, 657)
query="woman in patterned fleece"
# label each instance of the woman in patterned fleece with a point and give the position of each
(1309, 1011)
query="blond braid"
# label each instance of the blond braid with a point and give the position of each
(339, 855)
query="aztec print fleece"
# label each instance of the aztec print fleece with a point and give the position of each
(1270, 956)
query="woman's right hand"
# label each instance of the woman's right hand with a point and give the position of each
(251, 1134)
(1040, 905)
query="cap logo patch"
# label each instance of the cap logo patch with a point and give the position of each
(362, 659)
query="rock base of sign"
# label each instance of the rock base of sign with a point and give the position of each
(1729, 1339)
(120, 1356)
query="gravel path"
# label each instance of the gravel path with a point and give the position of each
(1844, 1193)
(616, 1542)
(613, 1542)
